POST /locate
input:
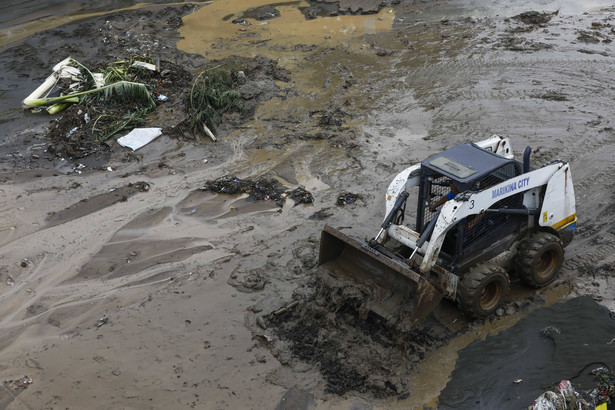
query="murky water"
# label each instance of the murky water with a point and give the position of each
(209, 27)
(564, 341)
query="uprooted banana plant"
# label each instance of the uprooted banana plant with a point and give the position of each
(87, 86)
(211, 96)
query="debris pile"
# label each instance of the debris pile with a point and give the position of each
(565, 396)
(300, 196)
(263, 189)
(100, 106)
(347, 198)
(19, 384)
(320, 330)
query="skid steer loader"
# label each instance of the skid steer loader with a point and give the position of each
(479, 214)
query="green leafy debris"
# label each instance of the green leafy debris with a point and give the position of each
(212, 95)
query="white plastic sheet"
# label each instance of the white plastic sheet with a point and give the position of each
(139, 137)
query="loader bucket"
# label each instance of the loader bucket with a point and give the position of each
(391, 289)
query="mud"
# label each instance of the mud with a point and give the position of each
(349, 349)
(192, 280)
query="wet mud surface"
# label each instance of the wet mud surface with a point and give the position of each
(192, 279)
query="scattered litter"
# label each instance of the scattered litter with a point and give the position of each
(24, 263)
(232, 208)
(109, 169)
(35, 110)
(549, 332)
(204, 161)
(347, 198)
(139, 137)
(20, 383)
(86, 118)
(241, 22)
(193, 211)
(142, 64)
(517, 381)
(112, 189)
(8, 228)
(140, 186)
(564, 396)
(162, 97)
(103, 320)
(34, 156)
(10, 281)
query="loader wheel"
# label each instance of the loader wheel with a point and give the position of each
(539, 259)
(483, 290)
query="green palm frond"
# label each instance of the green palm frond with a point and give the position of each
(125, 91)
(89, 83)
(212, 95)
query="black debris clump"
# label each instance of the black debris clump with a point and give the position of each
(301, 196)
(535, 17)
(347, 198)
(262, 189)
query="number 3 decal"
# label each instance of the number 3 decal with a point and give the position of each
(472, 204)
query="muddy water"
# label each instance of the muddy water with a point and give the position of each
(565, 341)
(210, 30)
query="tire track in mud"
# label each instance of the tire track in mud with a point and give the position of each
(555, 104)
(569, 120)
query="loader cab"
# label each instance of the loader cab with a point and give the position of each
(467, 167)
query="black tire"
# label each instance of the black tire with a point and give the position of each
(482, 290)
(539, 259)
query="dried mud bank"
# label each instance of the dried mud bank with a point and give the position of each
(212, 299)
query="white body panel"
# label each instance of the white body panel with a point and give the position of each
(558, 207)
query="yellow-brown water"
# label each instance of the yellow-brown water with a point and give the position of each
(210, 30)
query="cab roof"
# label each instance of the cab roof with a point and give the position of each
(465, 162)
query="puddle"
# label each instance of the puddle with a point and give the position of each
(433, 374)
(96, 203)
(576, 340)
(210, 30)
(206, 206)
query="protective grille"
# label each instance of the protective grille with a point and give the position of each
(485, 223)
(439, 187)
